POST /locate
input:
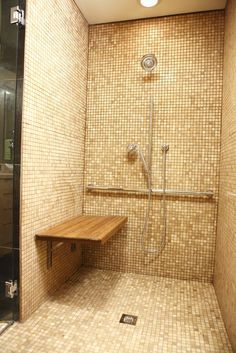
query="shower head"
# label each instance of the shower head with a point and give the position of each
(149, 62)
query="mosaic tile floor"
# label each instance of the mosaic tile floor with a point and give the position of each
(83, 317)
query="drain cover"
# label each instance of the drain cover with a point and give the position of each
(128, 319)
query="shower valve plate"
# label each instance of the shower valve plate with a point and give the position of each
(128, 319)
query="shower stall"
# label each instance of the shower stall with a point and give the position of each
(148, 64)
(150, 148)
(121, 120)
(11, 83)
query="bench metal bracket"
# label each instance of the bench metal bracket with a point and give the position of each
(51, 249)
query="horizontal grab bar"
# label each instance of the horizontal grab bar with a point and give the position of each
(209, 193)
(186, 193)
(233, 194)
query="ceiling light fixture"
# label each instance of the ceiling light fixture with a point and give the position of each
(149, 3)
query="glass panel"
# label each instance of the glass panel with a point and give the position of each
(8, 306)
(6, 209)
(8, 75)
(11, 79)
(8, 36)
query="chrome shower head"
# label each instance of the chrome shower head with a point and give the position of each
(149, 62)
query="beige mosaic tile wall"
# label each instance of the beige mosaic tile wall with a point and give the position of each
(53, 140)
(225, 275)
(187, 91)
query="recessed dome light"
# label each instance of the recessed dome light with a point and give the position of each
(149, 3)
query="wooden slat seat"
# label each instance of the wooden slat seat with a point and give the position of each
(86, 228)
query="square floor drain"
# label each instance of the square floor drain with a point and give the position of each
(128, 319)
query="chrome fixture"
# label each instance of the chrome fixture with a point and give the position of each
(11, 289)
(161, 246)
(51, 249)
(17, 16)
(233, 194)
(149, 62)
(134, 149)
(165, 148)
(149, 3)
(128, 319)
(168, 192)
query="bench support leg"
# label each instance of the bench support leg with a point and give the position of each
(49, 254)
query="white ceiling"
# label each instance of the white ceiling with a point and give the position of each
(103, 11)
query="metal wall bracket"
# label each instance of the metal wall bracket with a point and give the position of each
(11, 289)
(51, 249)
(17, 16)
(49, 254)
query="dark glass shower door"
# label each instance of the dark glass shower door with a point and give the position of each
(11, 83)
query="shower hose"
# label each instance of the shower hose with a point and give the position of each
(162, 245)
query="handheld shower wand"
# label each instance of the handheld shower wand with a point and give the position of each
(135, 148)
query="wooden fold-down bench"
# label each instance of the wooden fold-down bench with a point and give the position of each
(82, 228)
